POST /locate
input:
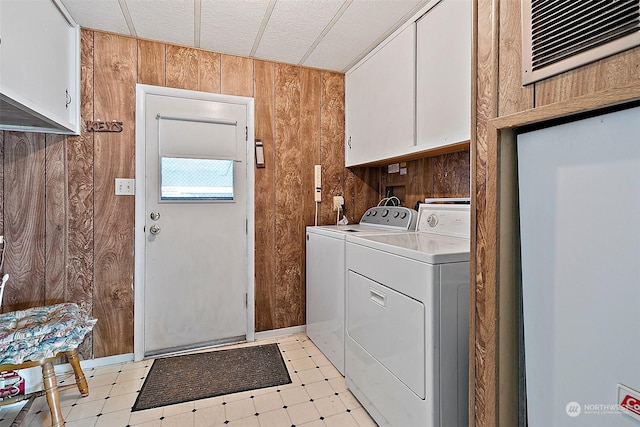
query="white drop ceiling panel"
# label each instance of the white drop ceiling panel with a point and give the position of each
(167, 20)
(293, 28)
(359, 30)
(327, 34)
(231, 26)
(102, 15)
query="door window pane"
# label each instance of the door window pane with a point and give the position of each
(196, 179)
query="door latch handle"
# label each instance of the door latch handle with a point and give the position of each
(155, 215)
(154, 229)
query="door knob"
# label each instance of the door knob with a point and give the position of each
(154, 229)
(155, 215)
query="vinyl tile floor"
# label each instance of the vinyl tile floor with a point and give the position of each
(316, 397)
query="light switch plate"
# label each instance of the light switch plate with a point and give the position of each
(125, 187)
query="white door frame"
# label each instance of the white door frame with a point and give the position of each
(140, 208)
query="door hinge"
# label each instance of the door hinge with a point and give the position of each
(246, 300)
(246, 226)
(246, 133)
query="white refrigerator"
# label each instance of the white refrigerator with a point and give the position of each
(579, 195)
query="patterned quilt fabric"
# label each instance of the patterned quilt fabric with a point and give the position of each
(42, 332)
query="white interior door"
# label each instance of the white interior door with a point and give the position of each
(195, 224)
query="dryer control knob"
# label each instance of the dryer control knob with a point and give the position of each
(385, 213)
(396, 214)
(432, 220)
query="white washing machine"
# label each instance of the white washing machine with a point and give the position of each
(407, 320)
(325, 274)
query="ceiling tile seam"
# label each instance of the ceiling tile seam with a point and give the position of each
(197, 21)
(325, 31)
(386, 34)
(263, 26)
(127, 17)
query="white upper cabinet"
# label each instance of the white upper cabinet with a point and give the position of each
(443, 84)
(411, 96)
(380, 101)
(39, 68)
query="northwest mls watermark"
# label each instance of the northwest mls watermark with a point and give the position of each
(574, 409)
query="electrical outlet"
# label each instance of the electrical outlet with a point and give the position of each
(125, 187)
(338, 202)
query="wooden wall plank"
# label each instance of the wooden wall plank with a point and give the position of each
(309, 141)
(80, 195)
(332, 145)
(289, 225)
(614, 71)
(208, 71)
(24, 219)
(513, 96)
(115, 78)
(362, 189)
(452, 175)
(151, 63)
(236, 75)
(309, 135)
(482, 354)
(182, 67)
(55, 220)
(265, 290)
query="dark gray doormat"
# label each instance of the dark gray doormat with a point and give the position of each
(189, 377)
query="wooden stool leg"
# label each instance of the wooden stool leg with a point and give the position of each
(81, 381)
(51, 391)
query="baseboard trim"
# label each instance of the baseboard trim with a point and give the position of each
(274, 333)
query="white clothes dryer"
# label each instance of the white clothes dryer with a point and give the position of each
(407, 321)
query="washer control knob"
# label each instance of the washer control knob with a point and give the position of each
(368, 213)
(385, 213)
(374, 213)
(396, 214)
(432, 220)
(403, 215)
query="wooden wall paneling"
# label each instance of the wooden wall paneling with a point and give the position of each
(513, 96)
(236, 75)
(309, 134)
(362, 185)
(451, 177)
(151, 63)
(310, 97)
(182, 67)
(622, 69)
(420, 175)
(114, 80)
(208, 71)
(482, 345)
(332, 144)
(24, 219)
(289, 225)
(79, 163)
(55, 220)
(265, 291)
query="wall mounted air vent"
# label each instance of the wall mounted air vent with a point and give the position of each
(558, 35)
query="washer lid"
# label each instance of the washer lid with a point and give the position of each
(424, 247)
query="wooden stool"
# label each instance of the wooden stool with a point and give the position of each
(37, 337)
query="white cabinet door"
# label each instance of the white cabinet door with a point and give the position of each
(380, 102)
(443, 107)
(39, 64)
